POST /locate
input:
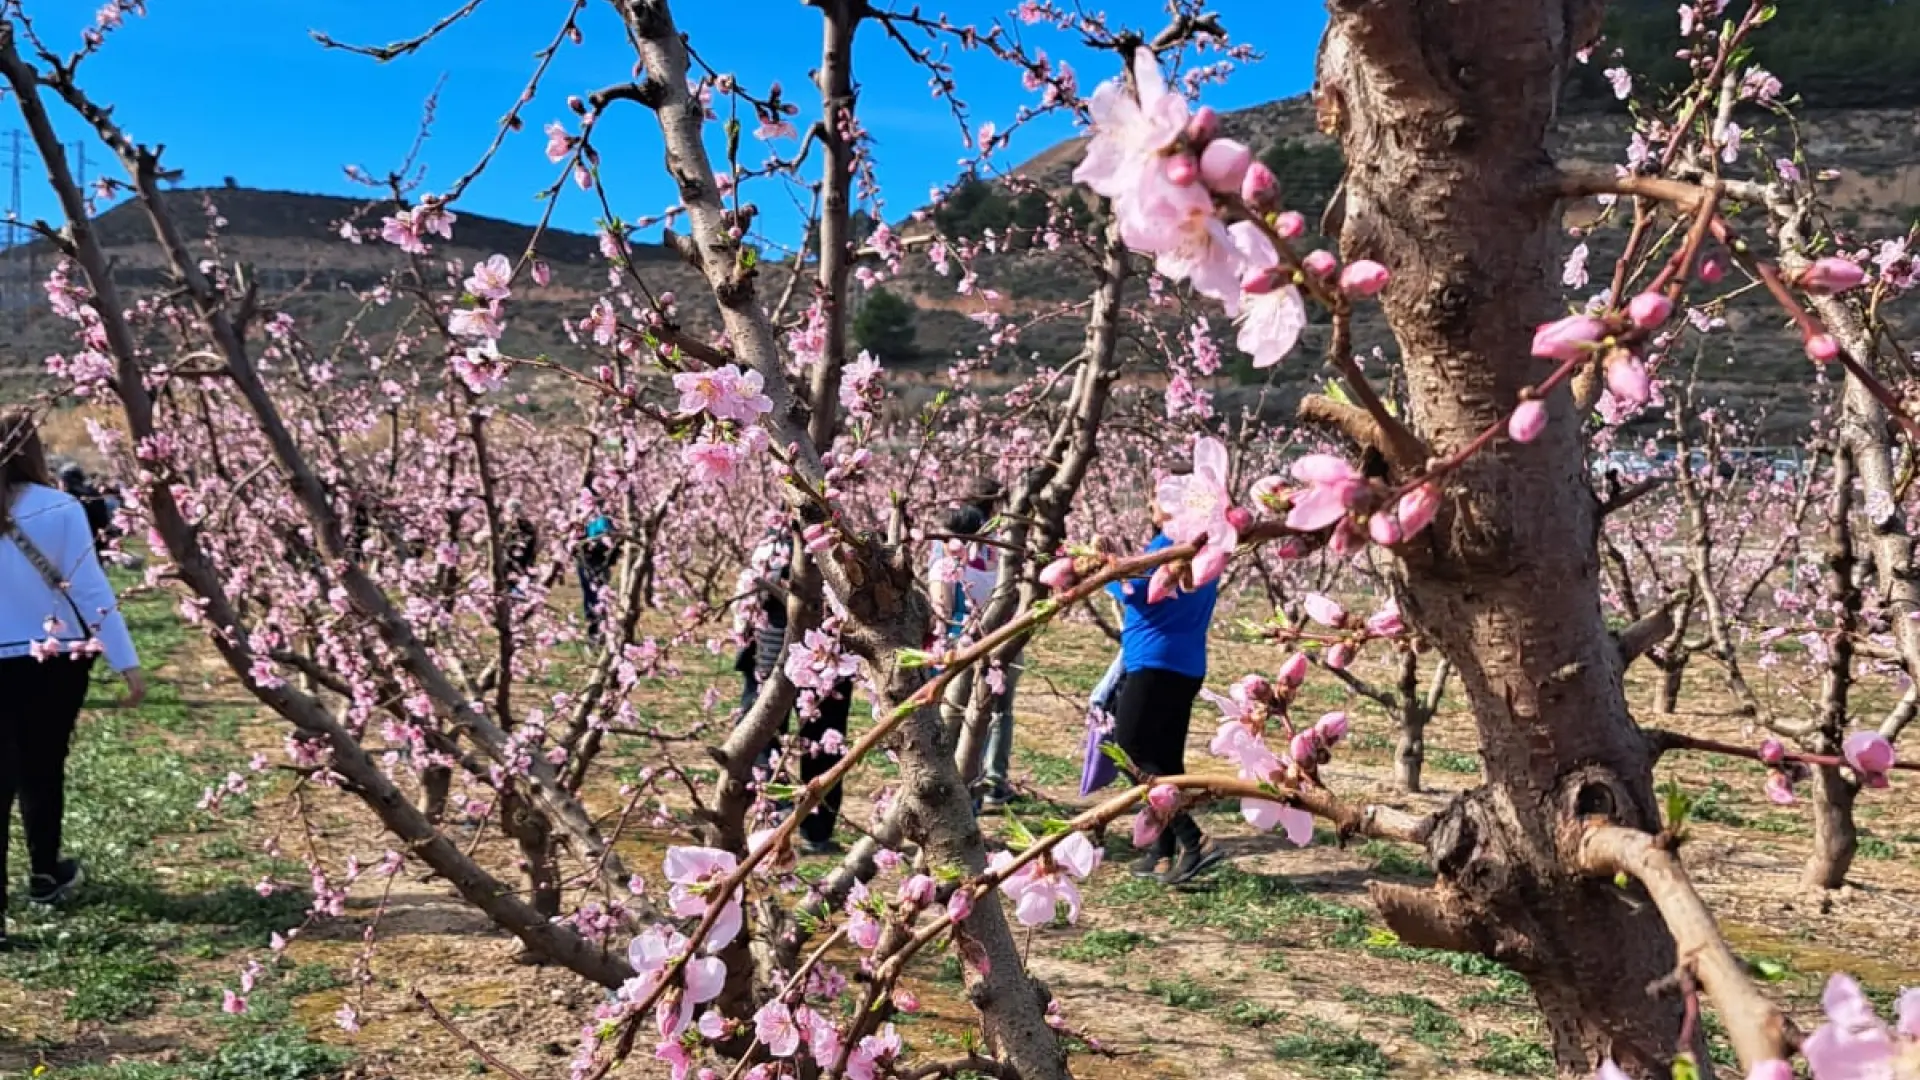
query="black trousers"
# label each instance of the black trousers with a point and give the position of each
(1150, 723)
(819, 825)
(43, 700)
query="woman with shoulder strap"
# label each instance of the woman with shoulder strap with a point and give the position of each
(56, 612)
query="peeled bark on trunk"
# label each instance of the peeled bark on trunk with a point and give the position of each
(1442, 111)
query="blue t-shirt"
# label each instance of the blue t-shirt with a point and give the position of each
(1170, 635)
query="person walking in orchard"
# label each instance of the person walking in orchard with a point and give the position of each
(1164, 651)
(56, 611)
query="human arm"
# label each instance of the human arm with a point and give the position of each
(92, 595)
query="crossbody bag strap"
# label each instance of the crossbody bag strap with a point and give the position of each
(47, 573)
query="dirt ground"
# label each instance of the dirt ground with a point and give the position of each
(1273, 966)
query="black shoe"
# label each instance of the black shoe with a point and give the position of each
(1192, 862)
(57, 887)
(1151, 865)
(828, 846)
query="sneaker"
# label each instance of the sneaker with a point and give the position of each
(828, 846)
(57, 887)
(1192, 862)
(1151, 865)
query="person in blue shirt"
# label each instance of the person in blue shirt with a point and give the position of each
(594, 559)
(1163, 648)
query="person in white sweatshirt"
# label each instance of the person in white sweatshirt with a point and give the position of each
(57, 612)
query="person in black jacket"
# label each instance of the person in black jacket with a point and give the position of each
(75, 482)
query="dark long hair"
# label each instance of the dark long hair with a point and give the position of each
(22, 459)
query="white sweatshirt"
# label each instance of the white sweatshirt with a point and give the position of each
(57, 525)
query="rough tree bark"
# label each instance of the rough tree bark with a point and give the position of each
(1442, 110)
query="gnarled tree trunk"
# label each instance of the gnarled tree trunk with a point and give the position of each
(1442, 110)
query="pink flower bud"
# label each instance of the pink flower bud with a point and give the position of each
(1181, 169)
(1260, 281)
(1650, 310)
(905, 1000)
(1293, 670)
(1331, 728)
(1568, 339)
(542, 273)
(1711, 271)
(1363, 277)
(960, 904)
(1251, 688)
(1340, 656)
(1161, 584)
(1304, 748)
(1163, 798)
(1320, 263)
(1871, 756)
(1822, 348)
(1385, 529)
(1259, 187)
(1147, 827)
(1240, 518)
(1528, 421)
(917, 891)
(1059, 574)
(1290, 225)
(1627, 378)
(1325, 610)
(1417, 508)
(666, 298)
(1224, 164)
(1210, 564)
(1387, 621)
(1204, 127)
(1772, 752)
(1779, 788)
(1831, 275)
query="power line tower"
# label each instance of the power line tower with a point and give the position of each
(14, 295)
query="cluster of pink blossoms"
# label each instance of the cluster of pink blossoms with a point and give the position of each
(1248, 708)
(734, 401)
(1039, 888)
(1169, 172)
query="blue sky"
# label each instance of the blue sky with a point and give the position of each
(253, 97)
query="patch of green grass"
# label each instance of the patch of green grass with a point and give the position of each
(1453, 761)
(1248, 907)
(1508, 986)
(1873, 847)
(1393, 860)
(1431, 1025)
(1335, 1054)
(265, 1056)
(1103, 945)
(1048, 770)
(1251, 1014)
(1510, 1056)
(1183, 993)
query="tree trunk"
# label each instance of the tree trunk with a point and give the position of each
(1409, 754)
(1835, 838)
(1442, 111)
(1673, 673)
(1415, 710)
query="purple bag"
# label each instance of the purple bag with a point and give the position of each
(1097, 770)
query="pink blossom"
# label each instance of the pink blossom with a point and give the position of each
(1822, 348)
(1363, 277)
(1333, 486)
(1293, 670)
(1627, 378)
(1772, 751)
(1059, 574)
(960, 905)
(1570, 338)
(1325, 611)
(1779, 787)
(559, 143)
(1224, 164)
(1259, 187)
(479, 323)
(492, 279)
(542, 273)
(774, 1026)
(1650, 310)
(1622, 82)
(726, 392)
(711, 462)
(1197, 506)
(1854, 1043)
(231, 1003)
(1529, 419)
(1386, 622)
(1320, 263)
(1189, 243)
(1416, 509)
(1871, 755)
(1264, 814)
(1038, 888)
(1831, 275)
(695, 872)
(1331, 728)
(1130, 129)
(1339, 656)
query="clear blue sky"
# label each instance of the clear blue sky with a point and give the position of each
(238, 88)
